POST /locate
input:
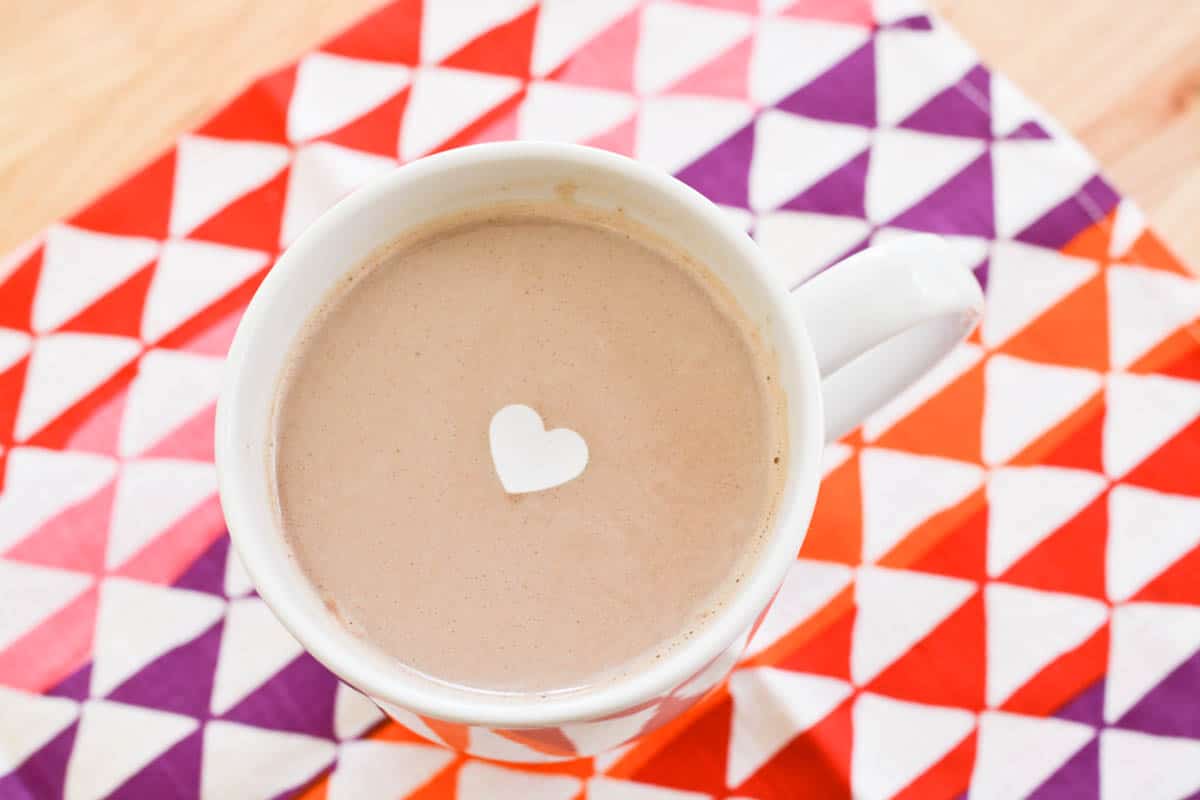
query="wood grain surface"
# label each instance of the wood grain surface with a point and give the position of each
(91, 89)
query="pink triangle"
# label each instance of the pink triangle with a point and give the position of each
(606, 61)
(502, 130)
(53, 650)
(98, 433)
(856, 12)
(215, 340)
(74, 539)
(169, 554)
(727, 75)
(621, 139)
(192, 440)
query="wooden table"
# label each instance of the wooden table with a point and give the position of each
(90, 89)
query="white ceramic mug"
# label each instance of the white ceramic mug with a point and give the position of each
(846, 342)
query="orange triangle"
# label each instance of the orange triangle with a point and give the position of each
(1179, 583)
(1063, 678)
(18, 289)
(1080, 543)
(727, 75)
(452, 733)
(857, 12)
(138, 206)
(551, 741)
(835, 532)
(949, 777)
(253, 220)
(621, 139)
(119, 312)
(392, 33)
(192, 440)
(926, 536)
(963, 553)
(443, 786)
(1150, 251)
(75, 538)
(1037, 450)
(1174, 467)
(1083, 448)
(1093, 241)
(818, 760)
(1074, 332)
(12, 384)
(948, 667)
(505, 49)
(827, 653)
(1177, 355)
(169, 554)
(949, 424)
(695, 759)
(259, 113)
(202, 322)
(606, 61)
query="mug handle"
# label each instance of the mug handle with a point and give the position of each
(882, 318)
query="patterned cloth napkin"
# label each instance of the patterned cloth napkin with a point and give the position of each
(1000, 592)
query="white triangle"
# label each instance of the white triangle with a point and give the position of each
(237, 580)
(153, 494)
(244, 761)
(114, 741)
(39, 484)
(907, 166)
(62, 370)
(78, 267)
(902, 490)
(678, 39)
(33, 594)
(1015, 754)
(384, 769)
(1149, 640)
(443, 101)
(897, 609)
(171, 388)
(486, 743)
(1029, 628)
(254, 646)
(564, 26)
(792, 153)
(775, 70)
(1027, 504)
(604, 788)
(192, 275)
(1143, 412)
(805, 590)
(212, 173)
(560, 113)
(1146, 306)
(1025, 281)
(1032, 176)
(1024, 400)
(13, 347)
(945, 372)
(833, 456)
(477, 781)
(675, 130)
(800, 244)
(895, 741)
(1010, 108)
(332, 91)
(1128, 225)
(770, 708)
(28, 721)
(594, 735)
(139, 622)
(353, 714)
(323, 174)
(913, 66)
(1134, 764)
(447, 25)
(1148, 531)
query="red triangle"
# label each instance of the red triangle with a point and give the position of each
(949, 424)
(1063, 678)
(818, 760)
(18, 290)
(1179, 583)
(695, 759)
(605, 62)
(948, 667)
(443, 786)
(727, 75)
(119, 312)
(138, 206)
(168, 555)
(948, 778)
(1177, 355)
(1083, 449)
(1174, 467)
(1074, 332)
(204, 320)
(505, 49)
(857, 12)
(1081, 544)
(50, 652)
(835, 532)
(377, 131)
(621, 139)
(392, 33)
(1150, 251)
(962, 553)
(75, 538)
(192, 440)
(259, 113)
(827, 653)
(252, 220)
(99, 432)
(59, 432)
(12, 383)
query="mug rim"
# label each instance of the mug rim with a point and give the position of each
(336, 647)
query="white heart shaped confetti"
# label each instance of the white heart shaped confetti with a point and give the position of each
(529, 458)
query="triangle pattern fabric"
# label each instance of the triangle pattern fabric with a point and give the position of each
(786, 161)
(211, 173)
(1017, 753)
(602, 788)
(961, 110)
(353, 713)
(887, 756)
(1149, 640)
(26, 503)
(962, 358)
(808, 586)
(34, 593)
(843, 93)
(1148, 531)
(27, 722)
(563, 27)
(152, 494)
(254, 647)
(561, 113)
(775, 72)
(908, 165)
(170, 388)
(242, 760)
(1145, 306)
(1023, 282)
(664, 57)
(322, 174)
(393, 768)
(445, 27)
(443, 101)
(1023, 169)
(479, 781)
(1138, 764)
(1143, 413)
(675, 130)
(332, 90)
(906, 78)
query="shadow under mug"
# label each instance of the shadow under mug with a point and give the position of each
(845, 343)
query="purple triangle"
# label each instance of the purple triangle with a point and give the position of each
(174, 774)
(1170, 709)
(840, 192)
(843, 93)
(963, 109)
(1086, 707)
(76, 686)
(961, 205)
(1079, 777)
(207, 573)
(180, 680)
(981, 275)
(300, 698)
(917, 23)
(43, 773)
(723, 173)
(1072, 216)
(1029, 130)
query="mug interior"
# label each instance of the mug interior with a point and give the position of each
(419, 193)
